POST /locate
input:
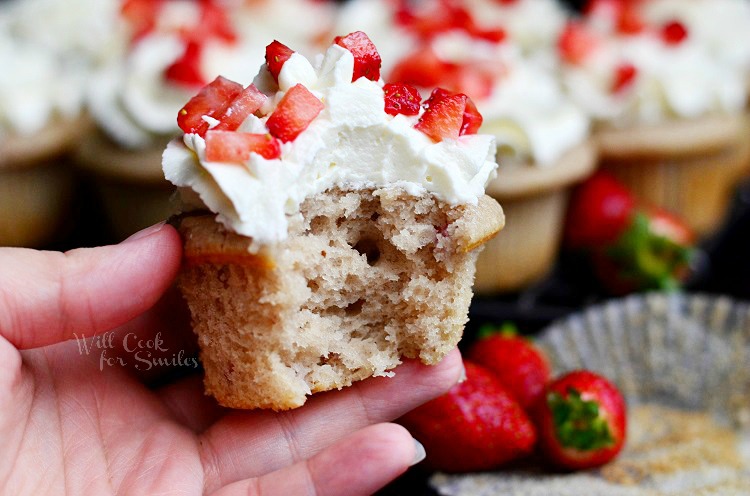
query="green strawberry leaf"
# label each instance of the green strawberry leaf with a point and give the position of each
(578, 423)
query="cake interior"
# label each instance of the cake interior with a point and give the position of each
(365, 278)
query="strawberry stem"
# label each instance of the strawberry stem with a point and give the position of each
(578, 423)
(650, 260)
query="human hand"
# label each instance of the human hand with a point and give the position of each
(73, 423)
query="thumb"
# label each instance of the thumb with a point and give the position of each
(46, 297)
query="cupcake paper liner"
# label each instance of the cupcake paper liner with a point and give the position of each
(682, 361)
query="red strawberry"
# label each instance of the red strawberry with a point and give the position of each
(141, 15)
(244, 104)
(653, 253)
(422, 69)
(440, 119)
(296, 110)
(576, 42)
(443, 117)
(630, 21)
(521, 367)
(229, 146)
(211, 101)
(625, 75)
(186, 70)
(674, 33)
(401, 99)
(214, 23)
(276, 55)
(476, 426)
(582, 423)
(366, 57)
(600, 210)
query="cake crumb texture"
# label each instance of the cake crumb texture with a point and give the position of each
(364, 278)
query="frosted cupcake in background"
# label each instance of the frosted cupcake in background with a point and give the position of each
(169, 49)
(668, 111)
(173, 48)
(542, 138)
(47, 50)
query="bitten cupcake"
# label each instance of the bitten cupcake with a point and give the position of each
(45, 63)
(331, 223)
(669, 112)
(542, 137)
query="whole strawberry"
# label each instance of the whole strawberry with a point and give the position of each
(582, 422)
(476, 426)
(521, 367)
(632, 247)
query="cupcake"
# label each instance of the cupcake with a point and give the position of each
(331, 224)
(485, 50)
(45, 63)
(668, 111)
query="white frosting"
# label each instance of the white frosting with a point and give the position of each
(353, 143)
(533, 24)
(683, 81)
(723, 26)
(47, 50)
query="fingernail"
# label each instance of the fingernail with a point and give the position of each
(146, 232)
(462, 377)
(419, 452)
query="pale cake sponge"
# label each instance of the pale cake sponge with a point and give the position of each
(364, 278)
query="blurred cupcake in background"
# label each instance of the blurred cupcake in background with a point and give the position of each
(542, 137)
(48, 48)
(668, 110)
(168, 52)
(172, 49)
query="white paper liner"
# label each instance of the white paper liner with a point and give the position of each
(673, 352)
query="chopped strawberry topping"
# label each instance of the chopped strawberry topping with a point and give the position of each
(211, 101)
(215, 23)
(674, 33)
(401, 99)
(276, 55)
(576, 42)
(141, 15)
(472, 119)
(244, 104)
(506, 2)
(422, 68)
(630, 21)
(229, 146)
(443, 119)
(366, 57)
(296, 110)
(625, 76)
(429, 19)
(186, 71)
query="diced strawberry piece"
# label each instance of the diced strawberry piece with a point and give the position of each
(472, 80)
(141, 15)
(630, 21)
(428, 19)
(497, 35)
(506, 2)
(472, 119)
(443, 117)
(366, 57)
(576, 42)
(212, 100)
(296, 110)
(276, 55)
(422, 69)
(229, 146)
(246, 103)
(625, 76)
(674, 33)
(401, 99)
(186, 71)
(215, 23)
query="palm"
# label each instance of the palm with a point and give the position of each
(72, 424)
